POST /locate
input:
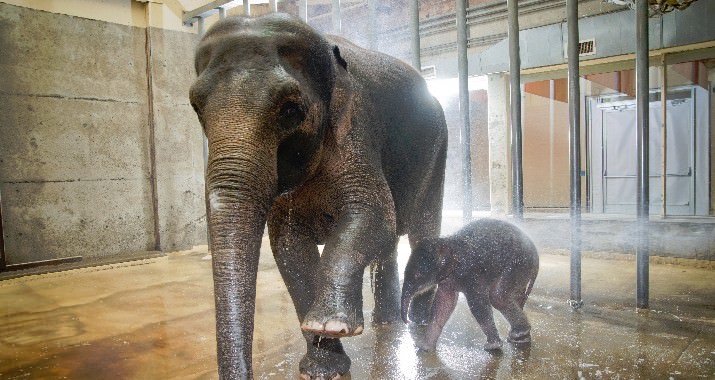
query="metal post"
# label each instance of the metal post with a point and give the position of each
(574, 151)
(3, 260)
(415, 33)
(462, 64)
(372, 24)
(152, 131)
(205, 146)
(273, 4)
(515, 91)
(303, 10)
(663, 133)
(642, 201)
(221, 13)
(246, 8)
(337, 22)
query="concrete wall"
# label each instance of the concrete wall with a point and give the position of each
(75, 172)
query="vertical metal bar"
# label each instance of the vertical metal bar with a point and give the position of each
(3, 259)
(303, 10)
(221, 13)
(273, 4)
(205, 151)
(152, 130)
(415, 33)
(574, 151)
(642, 201)
(515, 90)
(664, 134)
(372, 24)
(336, 16)
(246, 8)
(462, 65)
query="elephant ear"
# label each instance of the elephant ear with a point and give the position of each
(341, 98)
(445, 261)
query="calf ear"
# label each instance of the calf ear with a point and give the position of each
(341, 98)
(445, 262)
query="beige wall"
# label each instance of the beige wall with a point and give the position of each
(156, 13)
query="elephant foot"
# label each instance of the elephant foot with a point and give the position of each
(493, 346)
(520, 337)
(336, 326)
(324, 360)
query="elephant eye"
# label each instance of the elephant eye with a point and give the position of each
(291, 115)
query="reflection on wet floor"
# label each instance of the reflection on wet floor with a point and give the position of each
(153, 319)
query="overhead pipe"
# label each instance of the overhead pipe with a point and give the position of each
(642, 135)
(415, 33)
(515, 91)
(575, 151)
(462, 63)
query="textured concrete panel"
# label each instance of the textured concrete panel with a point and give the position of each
(45, 54)
(56, 139)
(173, 65)
(75, 218)
(75, 139)
(179, 141)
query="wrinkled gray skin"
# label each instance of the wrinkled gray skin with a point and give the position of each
(492, 262)
(328, 144)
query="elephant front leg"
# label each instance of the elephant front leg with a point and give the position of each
(361, 236)
(296, 256)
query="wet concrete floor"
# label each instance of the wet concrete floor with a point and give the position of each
(153, 319)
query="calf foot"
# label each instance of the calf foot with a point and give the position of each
(520, 336)
(324, 360)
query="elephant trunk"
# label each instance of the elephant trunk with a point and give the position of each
(406, 301)
(239, 192)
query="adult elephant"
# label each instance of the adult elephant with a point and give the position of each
(329, 144)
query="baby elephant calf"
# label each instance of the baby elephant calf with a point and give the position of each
(492, 262)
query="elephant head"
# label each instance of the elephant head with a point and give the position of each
(429, 263)
(266, 93)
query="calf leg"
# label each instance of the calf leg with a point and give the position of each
(482, 311)
(507, 297)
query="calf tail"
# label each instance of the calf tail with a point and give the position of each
(530, 284)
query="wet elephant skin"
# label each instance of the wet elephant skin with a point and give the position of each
(492, 262)
(328, 144)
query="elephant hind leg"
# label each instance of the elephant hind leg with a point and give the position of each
(387, 288)
(426, 223)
